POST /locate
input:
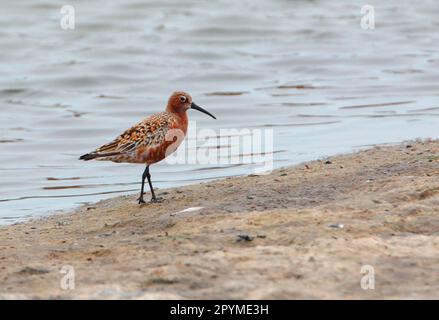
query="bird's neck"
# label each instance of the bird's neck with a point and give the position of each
(182, 119)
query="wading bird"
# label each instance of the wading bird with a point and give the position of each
(152, 139)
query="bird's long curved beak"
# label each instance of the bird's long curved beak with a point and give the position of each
(194, 106)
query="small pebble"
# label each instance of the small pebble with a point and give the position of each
(33, 270)
(244, 237)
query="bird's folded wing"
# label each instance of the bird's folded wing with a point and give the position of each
(148, 133)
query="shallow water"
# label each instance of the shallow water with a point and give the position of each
(304, 69)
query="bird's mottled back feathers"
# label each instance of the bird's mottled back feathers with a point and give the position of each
(143, 137)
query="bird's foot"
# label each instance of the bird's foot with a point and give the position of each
(141, 200)
(156, 199)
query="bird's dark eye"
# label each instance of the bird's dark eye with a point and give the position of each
(183, 99)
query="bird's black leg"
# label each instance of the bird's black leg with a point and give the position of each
(144, 175)
(153, 197)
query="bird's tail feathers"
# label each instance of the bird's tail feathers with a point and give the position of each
(91, 156)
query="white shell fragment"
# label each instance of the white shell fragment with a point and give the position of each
(192, 209)
(337, 225)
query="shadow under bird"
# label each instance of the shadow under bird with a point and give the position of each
(152, 139)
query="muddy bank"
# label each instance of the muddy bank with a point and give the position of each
(300, 232)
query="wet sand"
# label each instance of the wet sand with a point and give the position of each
(299, 232)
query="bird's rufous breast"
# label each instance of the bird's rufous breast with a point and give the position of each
(170, 134)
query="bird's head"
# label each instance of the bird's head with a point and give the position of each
(181, 101)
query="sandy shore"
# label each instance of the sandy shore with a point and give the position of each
(300, 232)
